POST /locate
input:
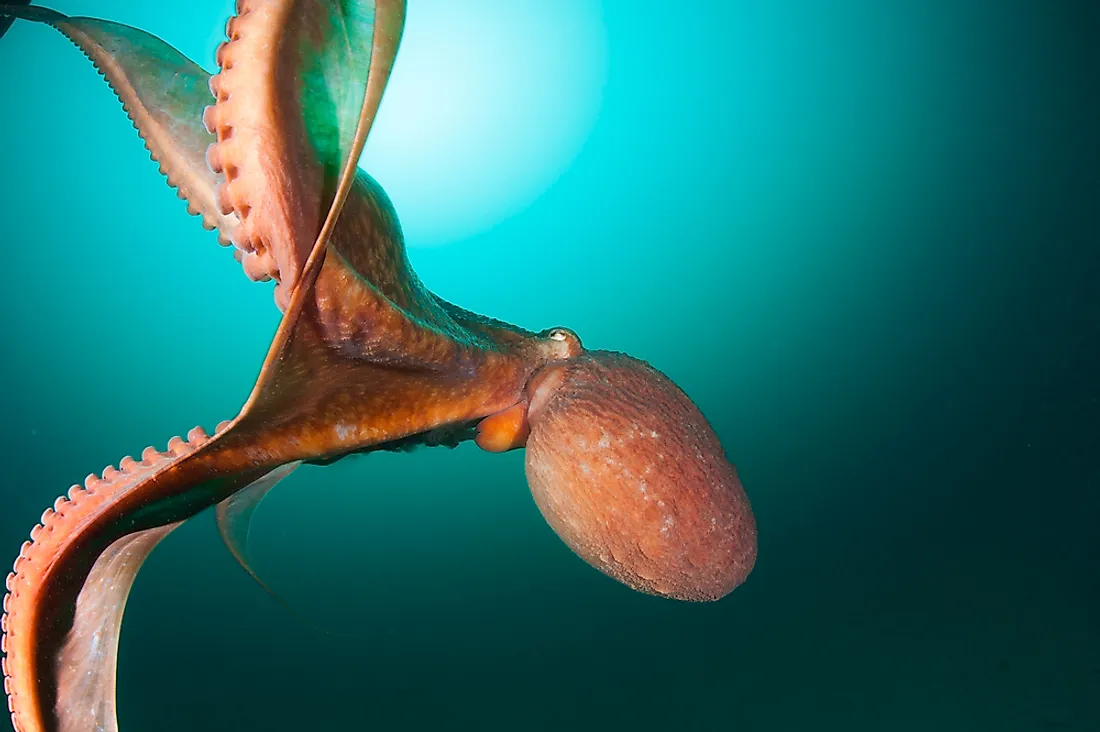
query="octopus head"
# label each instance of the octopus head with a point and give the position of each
(629, 473)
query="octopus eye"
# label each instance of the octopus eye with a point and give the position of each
(564, 343)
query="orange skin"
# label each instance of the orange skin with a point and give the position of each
(365, 358)
(631, 476)
(504, 431)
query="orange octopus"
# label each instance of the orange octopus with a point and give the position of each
(621, 463)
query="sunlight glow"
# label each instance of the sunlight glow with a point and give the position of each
(489, 103)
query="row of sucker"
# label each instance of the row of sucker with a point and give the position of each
(226, 158)
(229, 222)
(68, 510)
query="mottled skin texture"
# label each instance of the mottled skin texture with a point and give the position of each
(365, 358)
(632, 477)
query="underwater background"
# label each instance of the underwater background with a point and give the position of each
(863, 236)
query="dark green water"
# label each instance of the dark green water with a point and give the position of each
(864, 236)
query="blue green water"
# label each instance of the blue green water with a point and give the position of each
(864, 237)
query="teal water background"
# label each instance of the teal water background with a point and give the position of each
(862, 236)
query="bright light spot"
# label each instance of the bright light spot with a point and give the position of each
(489, 103)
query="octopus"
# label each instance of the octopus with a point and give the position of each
(620, 462)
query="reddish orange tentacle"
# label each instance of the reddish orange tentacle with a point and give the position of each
(62, 546)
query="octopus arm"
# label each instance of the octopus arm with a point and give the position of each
(298, 87)
(234, 517)
(8, 12)
(67, 591)
(162, 91)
